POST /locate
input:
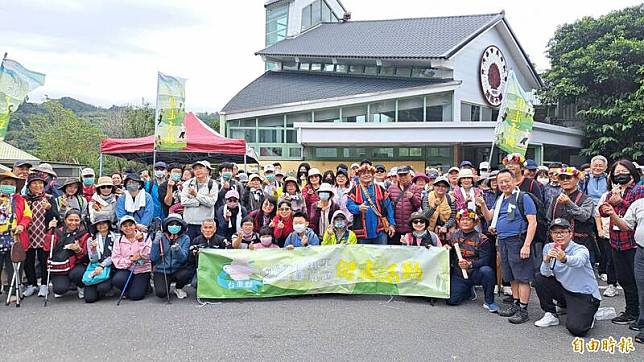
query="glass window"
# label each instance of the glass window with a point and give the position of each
(440, 156)
(495, 114)
(383, 153)
(341, 68)
(306, 17)
(422, 73)
(291, 136)
(327, 115)
(297, 117)
(328, 67)
(289, 66)
(434, 114)
(326, 12)
(466, 112)
(486, 114)
(295, 152)
(270, 151)
(403, 72)
(475, 113)
(316, 12)
(270, 121)
(388, 71)
(371, 70)
(276, 24)
(304, 66)
(356, 114)
(383, 112)
(248, 122)
(271, 135)
(356, 68)
(354, 152)
(410, 152)
(410, 110)
(326, 152)
(247, 134)
(316, 67)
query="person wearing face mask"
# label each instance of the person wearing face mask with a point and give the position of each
(169, 255)
(328, 177)
(152, 187)
(321, 213)
(170, 191)
(254, 195)
(302, 234)
(15, 217)
(227, 183)
(89, 178)
(71, 197)
(69, 258)
(230, 215)
(265, 240)
(542, 176)
(623, 191)
(245, 236)
(43, 211)
(103, 202)
(338, 231)
(272, 187)
(135, 202)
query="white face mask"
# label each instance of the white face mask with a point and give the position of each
(543, 180)
(299, 228)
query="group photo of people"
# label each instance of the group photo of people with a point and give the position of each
(512, 230)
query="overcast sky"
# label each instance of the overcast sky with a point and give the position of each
(108, 52)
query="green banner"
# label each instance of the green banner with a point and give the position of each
(344, 269)
(171, 111)
(16, 82)
(514, 125)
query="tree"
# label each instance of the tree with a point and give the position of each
(598, 64)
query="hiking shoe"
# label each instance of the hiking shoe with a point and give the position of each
(624, 318)
(507, 291)
(58, 295)
(561, 310)
(521, 316)
(548, 320)
(508, 300)
(611, 291)
(81, 292)
(635, 326)
(492, 307)
(30, 291)
(473, 295)
(603, 277)
(180, 293)
(42, 291)
(511, 310)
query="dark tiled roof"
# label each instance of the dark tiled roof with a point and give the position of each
(275, 88)
(436, 37)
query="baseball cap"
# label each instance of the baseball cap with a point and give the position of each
(161, 164)
(484, 165)
(203, 163)
(559, 222)
(269, 168)
(21, 163)
(466, 164)
(381, 167)
(87, 172)
(531, 164)
(403, 170)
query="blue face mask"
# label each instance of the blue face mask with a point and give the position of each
(227, 175)
(174, 229)
(88, 181)
(7, 189)
(176, 177)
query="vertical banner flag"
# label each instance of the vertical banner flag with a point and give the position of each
(516, 116)
(15, 83)
(170, 130)
(344, 269)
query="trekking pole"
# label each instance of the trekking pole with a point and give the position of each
(51, 255)
(127, 282)
(14, 285)
(165, 274)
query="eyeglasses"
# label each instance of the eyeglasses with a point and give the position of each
(560, 233)
(285, 208)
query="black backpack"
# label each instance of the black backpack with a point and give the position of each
(541, 235)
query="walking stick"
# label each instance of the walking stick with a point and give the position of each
(51, 255)
(127, 282)
(165, 274)
(15, 285)
(460, 257)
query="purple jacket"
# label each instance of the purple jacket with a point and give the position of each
(403, 206)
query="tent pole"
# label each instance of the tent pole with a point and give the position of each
(245, 170)
(100, 165)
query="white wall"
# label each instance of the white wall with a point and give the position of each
(295, 14)
(467, 67)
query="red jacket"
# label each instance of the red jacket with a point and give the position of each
(22, 216)
(81, 236)
(404, 207)
(310, 198)
(89, 191)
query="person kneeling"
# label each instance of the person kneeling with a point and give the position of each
(131, 259)
(567, 276)
(98, 276)
(302, 234)
(420, 236)
(170, 257)
(475, 260)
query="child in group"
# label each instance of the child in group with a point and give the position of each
(476, 260)
(246, 236)
(265, 240)
(169, 255)
(302, 234)
(338, 231)
(291, 193)
(420, 235)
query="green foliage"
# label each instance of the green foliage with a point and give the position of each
(598, 63)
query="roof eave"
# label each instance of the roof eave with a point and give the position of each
(472, 36)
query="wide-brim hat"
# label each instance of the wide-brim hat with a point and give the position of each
(440, 179)
(465, 173)
(325, 187)
(71, 181)
(20, 182)
(46, 168)
(453, 168)
(254, 176)
(133, 177)
(293, 180)
(420, 176)
(35, 177)
(102, 218)
(339, 213)
(314, 171)
(104, 181)
(203, 163)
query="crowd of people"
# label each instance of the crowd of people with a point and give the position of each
(556, 227)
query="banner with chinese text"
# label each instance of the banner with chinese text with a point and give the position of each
(16, 82)
(170, 127)
(344, 269)
(514, 124)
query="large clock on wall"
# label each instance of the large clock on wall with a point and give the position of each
(493, 73)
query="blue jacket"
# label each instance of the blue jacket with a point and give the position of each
(370, 221)
(595, 187)
(143, 216)
(152, 187)
(295, 239)
(175, 257)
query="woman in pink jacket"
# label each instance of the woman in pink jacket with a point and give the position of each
(132, 250)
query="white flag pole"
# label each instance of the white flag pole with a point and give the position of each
(499, 118)
(156, 124)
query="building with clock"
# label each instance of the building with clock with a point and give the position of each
(423, 91)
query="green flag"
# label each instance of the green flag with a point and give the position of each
(170, 127)
(15, 83)
(516, 116)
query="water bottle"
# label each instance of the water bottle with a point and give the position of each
(605, 313)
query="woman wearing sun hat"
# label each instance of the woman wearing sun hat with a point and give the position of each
(103, 202)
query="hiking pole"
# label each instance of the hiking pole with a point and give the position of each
(51, 255)
(14, 286)
(165, 273)
(127, 282)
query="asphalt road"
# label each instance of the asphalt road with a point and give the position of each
(330, 327)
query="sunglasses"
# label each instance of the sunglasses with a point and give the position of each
(104, 187)
(564, 177)
(285, 208)
(380, 171)
(418, 222)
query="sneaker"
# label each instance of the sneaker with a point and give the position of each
(81, 292)
(603, 277)
(42, 291)
(58, 295)
(508, 300)
(496, 289)
(509, 311)
(548, 320)
(492, 307)
(473, 295)
(507, 291)
(611, 291)
(521, 316)
(561, 310)
(30, 291)
(623, 318)
(180, 293)
(635, 326)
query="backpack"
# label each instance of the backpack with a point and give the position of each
(541, 235)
